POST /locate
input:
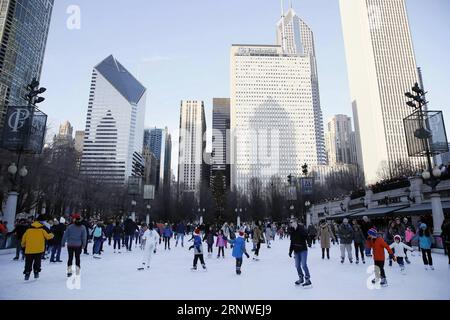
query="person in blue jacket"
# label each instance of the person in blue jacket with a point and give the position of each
(167, 234)
(239, 250)
(198, 250)
(181, 231)
(425, 241)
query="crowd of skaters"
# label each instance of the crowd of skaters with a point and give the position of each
(44, 238)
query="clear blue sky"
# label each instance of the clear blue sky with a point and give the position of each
(180, 50)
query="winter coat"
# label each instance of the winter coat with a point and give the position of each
(268, 233)
(221, 242)
(257, 235)
(366, 226)
(97, 232)
(399, 229)
(358, 235)
(109, 230)
(75, 236)
(34, 239)
(238, 247)
(181, 229)
(390, 235)
(345, 233)
(167, 232)
(198, 246)
(117, 232)
(325, 234)
(58, 232)
(226, 230)
(299, 240)
(378, 245)
(151, 238)
(446, 232)
(209, 238)
(399, 249)
(312, 232)
(130, 227)
(424, 241)
(20, 230)
(409, 235)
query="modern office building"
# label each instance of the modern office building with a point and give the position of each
(24, 27)
(339, 141)
(192, 145)
(79, 141)
(221, 143)
(276, 118)
(381, 68)
(64, 138)
(114, 133)
(159, 142)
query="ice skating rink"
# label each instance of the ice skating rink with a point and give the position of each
(272, 278)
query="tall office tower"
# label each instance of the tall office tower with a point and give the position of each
(150, 172)
(220, 156)
(24, 28)
(64, 138)
(276, 120)
(191, 147)
(79, 141)
(381, 68)
(339, 140)
(159, 142)
(114, 132)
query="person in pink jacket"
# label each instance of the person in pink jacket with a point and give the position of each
(221, 243)
(409, 234)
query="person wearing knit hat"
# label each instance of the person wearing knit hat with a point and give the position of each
(378, 245)
(198, 250)
(239, 250)
(400, 251)
(425, 242)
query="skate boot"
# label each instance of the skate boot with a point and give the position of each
(351, 260)
(383, 282)
(300, 281)
(307, 284)
(364, 261)
(238, 271)
(342, 260)
(69, 271)
(357, 261)
(402, 270)
(426, 267)
(27, 276)
(407, 260)
(390, 263)
(204, 267)
(142, 268)
(36, 275)
(77, 271)
(194, 268)
(431, 267)
(375, 280)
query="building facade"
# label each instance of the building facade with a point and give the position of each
(276, 119)
(192, 145)
(64, 138)
(159, 142)
(381, 68)
(79, 141)
(339, 141)
(220, 155)
(24, 27)
(114, 131)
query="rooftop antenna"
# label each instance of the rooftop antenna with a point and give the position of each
(282, 9)
(291, 4)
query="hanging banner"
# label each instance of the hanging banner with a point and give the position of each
(149, 192)
(306, 185)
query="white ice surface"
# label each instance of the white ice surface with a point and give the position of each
(115, 277)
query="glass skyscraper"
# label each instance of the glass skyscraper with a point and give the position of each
(24, 26)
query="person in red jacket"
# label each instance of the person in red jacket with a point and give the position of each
(377, 244)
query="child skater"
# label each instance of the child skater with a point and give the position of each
(198, 250)
(209, 238)
(378, 245)
(221, 243)
(425, 242)
(399, 249)
(239, 250)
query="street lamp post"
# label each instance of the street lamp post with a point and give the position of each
(292, 208)
(201, 213)
(133, 210)
(430, 175)
(147, 219)
(238, 214)
(308, 216)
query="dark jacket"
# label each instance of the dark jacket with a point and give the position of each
(446, 232)
(345, 233)
(299, 240)
(181, 228)
(58, 232)
(358, 234)
(312, 231)
(130, 227)
(117, 232)
(20, 230)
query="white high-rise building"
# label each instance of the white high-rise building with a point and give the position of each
(114, 133)
(339, 141)
(381, 68)
(276, 119)
(192, 146)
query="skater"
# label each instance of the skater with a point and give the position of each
(76, 239)
(181, 231)
(425, 243)
(257, 240)
(366, 225)
(378, 245)
(209, 238)
(198, 250)
(108, 232)
(117, 234)
(268, 234)
(399, 250)
(34, 243)
(129, 228)
(325, 234)
(389, 237)
(221, 243)
(312, 233)
(97, 236)
(19, 231)
(346, 238)
(359, 241)
(149, 241)
(57, 229)
(446, 238)
(239, 250)
(400, 229)
(299, 245)
(167, 234)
